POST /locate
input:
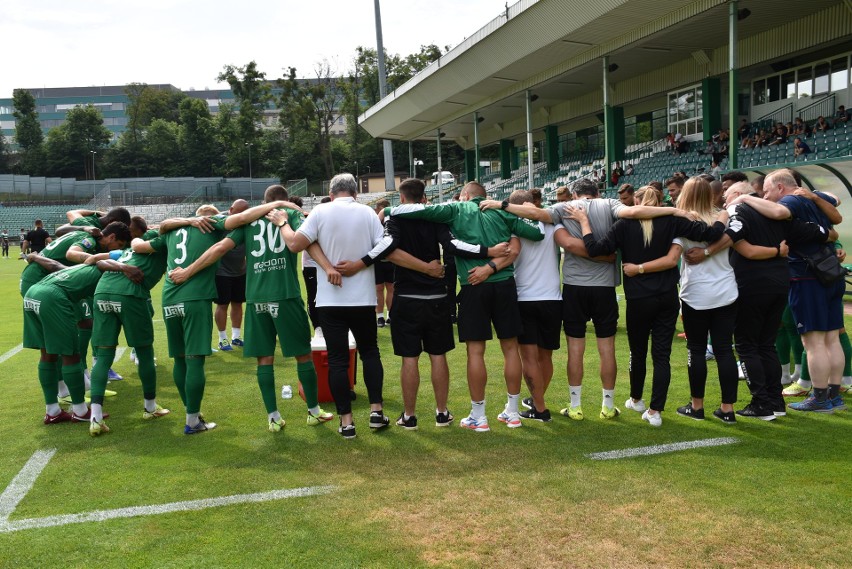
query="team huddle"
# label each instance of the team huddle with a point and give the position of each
(747, 258)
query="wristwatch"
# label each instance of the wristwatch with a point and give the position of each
(504, 205)
(492, 265)
(282, 224)
(706, 252)
(641, 269)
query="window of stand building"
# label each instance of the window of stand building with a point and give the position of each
(685, 111)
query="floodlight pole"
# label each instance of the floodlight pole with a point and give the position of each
(251, 186)
(530, 174)
(438, 139)
(476, 143)
(383, 91)
(607, 118)
(732, 84)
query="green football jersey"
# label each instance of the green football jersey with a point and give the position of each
(184, 246)
(77, 282)
(88, 220)
(152, 266)
(271, 269)
(57, 250)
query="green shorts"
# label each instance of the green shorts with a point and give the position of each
(85, 308)
(116, 311)
(189, 328)
(285, 319)
(50, 321)
(26, 284)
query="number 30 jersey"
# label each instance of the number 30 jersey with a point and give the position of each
(184, 246)
(271, 269)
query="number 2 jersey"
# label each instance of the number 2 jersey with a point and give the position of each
(183, 246)
(271, 268)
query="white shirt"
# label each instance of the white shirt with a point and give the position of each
(537, 267)
(346, 230)
(710, 284)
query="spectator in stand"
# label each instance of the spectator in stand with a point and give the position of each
(821, 125)
(629, 170)
(674, 186)
(800, 147)
(617, 173)
(715, 169)
(681, 144)
(745, 130)
(625, 194)
(779, 135)
(670, 142)
(563, 194)
(842, 116)
(760, 138)
(800, 128)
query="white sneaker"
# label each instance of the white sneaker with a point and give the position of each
(479, 425)
(637, 406)
(512, 420)
(655, 420)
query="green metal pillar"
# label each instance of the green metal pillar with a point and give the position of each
(614, 133)
(516, 158)
(506, 151)
(551, 147)
(711, 104)
(732, 84)
(470, 165)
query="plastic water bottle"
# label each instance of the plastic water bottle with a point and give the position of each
(286, 392)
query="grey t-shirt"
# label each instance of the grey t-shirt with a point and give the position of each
(233, 263)
(579, 271)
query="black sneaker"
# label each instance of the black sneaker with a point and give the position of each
(753, 412)
(780, 408)
(444, 419)
(380, 322)
(347, 432)
(728, 417)
(409, 425)
(528, 403)
(543, 416)
(378, 420)
(688, 411)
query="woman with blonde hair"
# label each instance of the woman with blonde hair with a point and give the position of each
(650, 287)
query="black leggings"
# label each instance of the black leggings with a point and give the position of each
(654, 317)
(719, 323)
(758, 321)
(336, 322)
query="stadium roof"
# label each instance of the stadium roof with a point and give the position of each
(554, 47)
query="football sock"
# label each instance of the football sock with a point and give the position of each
(274, 416)
(195, 381)
(785, 373)
(235, 333)
(179, 375)
(477, 409)
(80, 409)
(314, 410)
(847, 380)
(73, 376)
(53, 409)
(192, 419)
(100, 371)
(797, 373)
(147, 371)
(47, 379)
(61, 388)
(84, 338)
(847, 353)
(609, 398)
(307, 375)
(266, 382)
(576, 392)
(97, 412)
(512, 403)
(223, 335)
(150, 405)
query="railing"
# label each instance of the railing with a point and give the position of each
(782, 115)
(297, 187)
(824, 107)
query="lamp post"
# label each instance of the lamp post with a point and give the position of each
(94, 192)
(251, 186)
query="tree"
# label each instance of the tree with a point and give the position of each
(149, 103)
(5, 162)
(252, 95)
(28, 133)
(69, 146)
(229, 145)
(195, 138)
(162, 147)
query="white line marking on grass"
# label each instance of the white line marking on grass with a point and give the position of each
(25, 479)
(11, 353)
(661, 449)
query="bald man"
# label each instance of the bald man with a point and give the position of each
(231, 289)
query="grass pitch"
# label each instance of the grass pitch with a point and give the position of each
(526, 497)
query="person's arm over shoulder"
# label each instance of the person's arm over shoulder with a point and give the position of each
(441, 213)
(458, 248)
(766, 208)
(386, 245)
(799, 231)
(607, 244)
(523, 228)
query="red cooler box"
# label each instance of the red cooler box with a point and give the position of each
(320, 355)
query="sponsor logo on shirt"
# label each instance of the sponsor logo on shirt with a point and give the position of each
(270, 308)
(32, 305)
(173, 311)
(109, 306)
(270, 265)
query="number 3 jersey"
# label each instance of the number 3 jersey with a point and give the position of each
(271, 269)
(183, 246)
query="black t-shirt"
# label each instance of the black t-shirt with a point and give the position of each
(37, 239)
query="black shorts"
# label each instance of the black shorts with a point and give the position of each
(421, 325)
(487, 303)
(542, 320)
(384, 272)
(230, 289)
(583, 303)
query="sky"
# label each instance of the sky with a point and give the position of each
(79, 43)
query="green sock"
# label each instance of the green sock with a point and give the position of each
(195, 381)
(782, 346)
(847, 353)
(84, 337)
(266, 382)
(47, 379)
(805, 376)
(179, 375)
(147, 371)
(72, 374)
(788, 324)
(99, 373)
(307, 374)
